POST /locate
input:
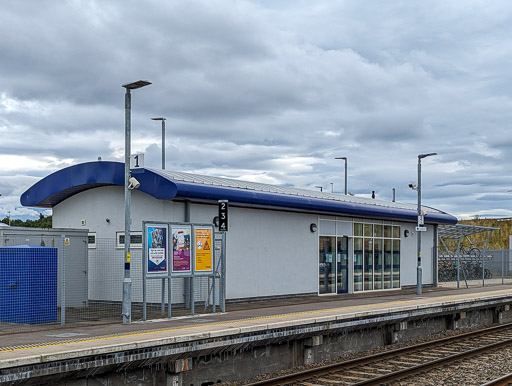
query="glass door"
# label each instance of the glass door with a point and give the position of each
(342, 265)
(326, 267)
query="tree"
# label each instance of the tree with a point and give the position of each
(42, 222)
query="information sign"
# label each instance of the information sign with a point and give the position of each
(421, 229)
(181, 262)
(203, 237)
(156, 257)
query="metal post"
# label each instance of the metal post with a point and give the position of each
(346, 171)
(435, 253)
(144, 279)
(163, 144)
(223, 273)
(163, 168)
(483, 270)
(63, 282)
(502, 266)
(127, 282)
(419, 270)
(420, 224)
(169, 295)
(192, 302)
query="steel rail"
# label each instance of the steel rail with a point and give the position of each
(400, 374)
(326, 369)
(501, 381)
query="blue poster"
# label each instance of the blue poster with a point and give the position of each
(157, 249)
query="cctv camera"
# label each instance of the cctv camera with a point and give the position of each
(134, 184)
(412, 186)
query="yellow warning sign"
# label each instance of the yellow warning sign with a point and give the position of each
(66, 241)
(204, 255)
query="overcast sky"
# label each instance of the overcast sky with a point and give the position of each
(267, 91)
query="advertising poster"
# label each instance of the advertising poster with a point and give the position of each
(157, 250)
(203, 249)
(181, 249)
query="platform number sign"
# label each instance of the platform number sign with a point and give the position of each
(137, 161)
(223, 215)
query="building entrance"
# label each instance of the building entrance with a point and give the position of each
(333, 265)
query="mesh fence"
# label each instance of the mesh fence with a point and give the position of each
(475, 268)
(53, 280)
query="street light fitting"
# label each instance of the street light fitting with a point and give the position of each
(346, 172)
(426, 155)
(158, 119)
(135, 85)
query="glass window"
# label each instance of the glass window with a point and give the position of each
(358, 264)
(344, 228)
(378, 230)
(91, 240)
(368, 264)
(396, 232)
(387, 263)
(387, 230)
(368, 230)
(326, 271)
(378, 271)
(342, 264)
(327, 227)
(396, 263)
(135, 239)
(358, 229)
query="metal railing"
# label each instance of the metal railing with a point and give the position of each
(474, 268)
(84, 284)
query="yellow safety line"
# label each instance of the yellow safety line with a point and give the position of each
(104, 338)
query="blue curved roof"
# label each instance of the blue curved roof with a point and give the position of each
(163, 184)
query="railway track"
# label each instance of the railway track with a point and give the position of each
(390, 366)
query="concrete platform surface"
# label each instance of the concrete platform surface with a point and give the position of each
(42, 346)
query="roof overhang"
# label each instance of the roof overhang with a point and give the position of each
(67, 182)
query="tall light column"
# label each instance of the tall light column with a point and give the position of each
(127, 282)
(420, 224)
(163, 139)
(346, 186)
(163, 168)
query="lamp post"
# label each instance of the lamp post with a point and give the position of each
(163, 168)
(127, 282)
(346, 187)
(420, 224)
(163, 139)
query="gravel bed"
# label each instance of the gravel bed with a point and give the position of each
(473, 371)
(360, 355)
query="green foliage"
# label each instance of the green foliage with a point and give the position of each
(499, 238)
(42, 222)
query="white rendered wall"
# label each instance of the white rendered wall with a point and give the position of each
(268, 252)
(409, 255)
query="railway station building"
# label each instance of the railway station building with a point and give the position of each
(282, 241)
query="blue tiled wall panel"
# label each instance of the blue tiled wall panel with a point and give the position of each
(28, 284)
